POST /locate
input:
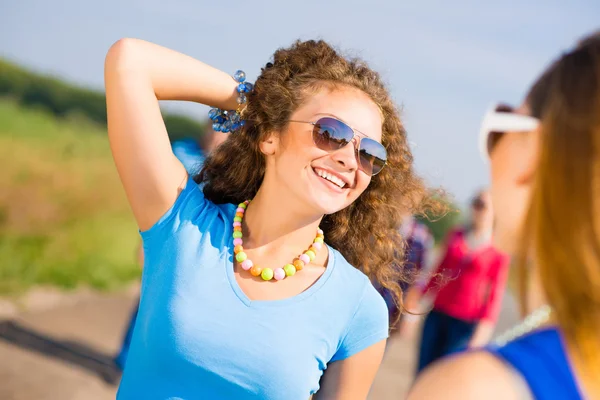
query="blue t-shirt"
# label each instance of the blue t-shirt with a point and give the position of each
(198, 336)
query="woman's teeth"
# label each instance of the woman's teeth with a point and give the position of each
(331, 178)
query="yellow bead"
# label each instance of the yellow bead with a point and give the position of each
(318, 240)
(311, 254)
(241, 256)
(289, 269)
(267, 274)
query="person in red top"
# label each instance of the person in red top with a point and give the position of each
(468, 286)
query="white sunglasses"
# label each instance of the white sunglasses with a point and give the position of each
(498, 120)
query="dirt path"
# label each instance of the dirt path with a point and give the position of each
(65, 352)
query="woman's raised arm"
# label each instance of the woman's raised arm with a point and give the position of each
(137, 74)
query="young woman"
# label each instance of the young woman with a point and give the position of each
(468, 285)
(418, 242)
(545, 169)
(319, 156)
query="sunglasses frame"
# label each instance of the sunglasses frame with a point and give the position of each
(356, 146)
(503, 121)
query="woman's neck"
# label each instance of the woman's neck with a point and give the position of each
(273, 221)
(481, 231)
(535, 293)
(477, 237)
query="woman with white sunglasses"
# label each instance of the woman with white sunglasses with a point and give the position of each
(545, 172)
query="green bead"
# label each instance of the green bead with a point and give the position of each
(241, 256)
(289, 269)
(311, 254)
(237, 234)
(242, 205)
(237, 219)
(266, 274)
(318, 240)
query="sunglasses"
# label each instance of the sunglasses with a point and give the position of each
(331, 134)
(499, 120)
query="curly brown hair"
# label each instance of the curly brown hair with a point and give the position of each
(366, 232)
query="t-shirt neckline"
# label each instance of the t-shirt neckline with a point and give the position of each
(315, 287)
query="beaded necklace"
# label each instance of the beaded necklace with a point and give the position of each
(530, 323)
(268, 274)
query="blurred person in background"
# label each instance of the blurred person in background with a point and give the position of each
(246, 291)
(418, 241)
(545, 170)
(191, 152)
(467, 286)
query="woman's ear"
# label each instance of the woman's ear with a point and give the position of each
(270, 145)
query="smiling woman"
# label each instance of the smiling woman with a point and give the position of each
(544, 159)
(309, 82)
(314, 180)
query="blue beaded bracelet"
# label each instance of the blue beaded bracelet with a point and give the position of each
(231, 120)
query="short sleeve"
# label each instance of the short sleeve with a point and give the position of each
(369, 325)
(189, 205)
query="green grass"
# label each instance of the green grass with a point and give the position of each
(64, 219)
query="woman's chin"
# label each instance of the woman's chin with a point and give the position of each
(327, 205)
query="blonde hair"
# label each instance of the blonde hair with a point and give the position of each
(562, 228)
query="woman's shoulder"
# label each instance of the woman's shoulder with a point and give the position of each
(351, 275)
(470, 375)
(364, 309)
(352, 283)
(190, 207)
(541, 359)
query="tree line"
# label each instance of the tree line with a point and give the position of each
(60, 98)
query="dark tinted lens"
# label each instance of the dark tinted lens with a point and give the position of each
(372, 156)
(330, 134)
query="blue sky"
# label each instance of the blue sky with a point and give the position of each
(445, 62)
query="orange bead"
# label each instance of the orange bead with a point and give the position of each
(321, 236)
(311, 248)
(255, 270)
(299, 264)
(237, 228)
(239, 214)
(237, 249)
